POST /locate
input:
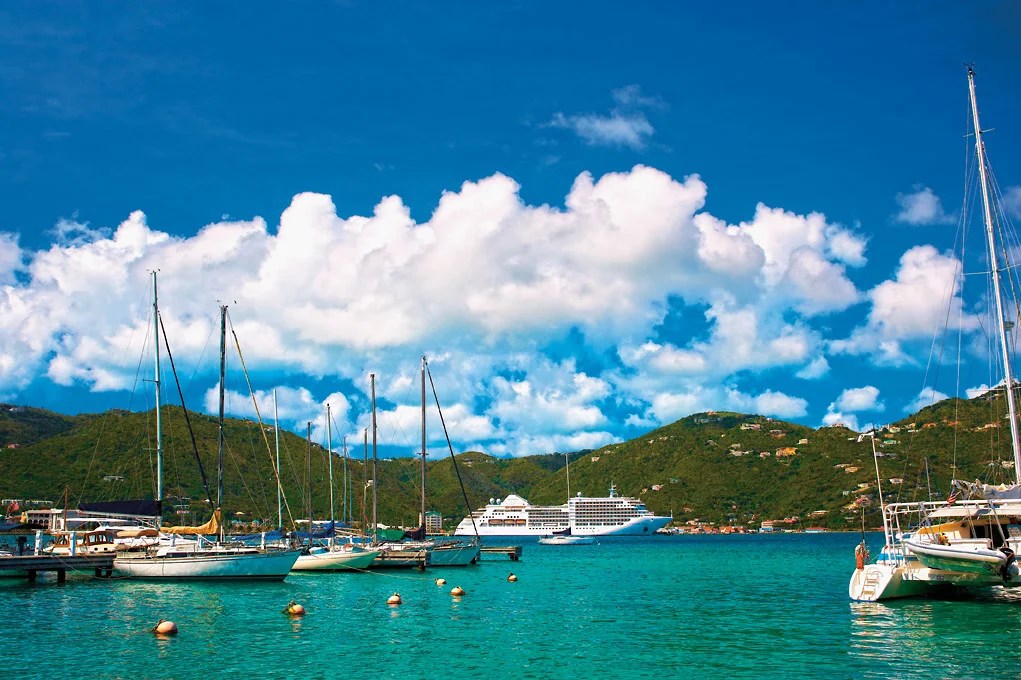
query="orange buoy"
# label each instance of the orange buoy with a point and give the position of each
(457, 591)
(441, 581)
(394, 599)
(512, 578)
(165, 628)
(294, 609)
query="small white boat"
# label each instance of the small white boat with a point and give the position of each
(969, 556)
(566, 539)
(339, 558)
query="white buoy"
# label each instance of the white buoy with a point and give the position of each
(441, 581)
(457, 591)
(512, 578)
(294, 609)
(394, 599)
(165, 628)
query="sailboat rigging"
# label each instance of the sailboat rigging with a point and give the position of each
(969, 540)
(170, 557)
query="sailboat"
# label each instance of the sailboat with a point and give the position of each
(444, 553)
(325, 554)
(441, 553)
(970, 539)
(565, 536)
(172, 557)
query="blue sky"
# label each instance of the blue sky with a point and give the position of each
(594, 219)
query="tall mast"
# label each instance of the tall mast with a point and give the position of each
(567, 466)
(223, 373)
(375, 524)
(423, 445)
(159, 424)
(329, 452)
(996, 269)
(345, 509)
(308, 465)
(365, 472)
(276, 435)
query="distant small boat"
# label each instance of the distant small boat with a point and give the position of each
(567, 540)
(565, 537)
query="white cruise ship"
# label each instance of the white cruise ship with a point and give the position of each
(611, 515)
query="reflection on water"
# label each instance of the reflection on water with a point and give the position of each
(688, 606)
(969, 635)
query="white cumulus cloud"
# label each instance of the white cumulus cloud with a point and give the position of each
(922, 206)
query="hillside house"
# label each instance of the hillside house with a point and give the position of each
(777, 434)
(751, 426)
(595, 459)
(802, 442)
(786, 452)
(897, 480)
(765, 454)
(850, 469)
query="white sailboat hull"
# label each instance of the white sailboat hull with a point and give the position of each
(335, 560)
(270, 566)
(567, 540)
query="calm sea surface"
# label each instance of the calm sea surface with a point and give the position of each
(661, 607)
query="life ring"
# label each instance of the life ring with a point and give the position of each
(861, 555)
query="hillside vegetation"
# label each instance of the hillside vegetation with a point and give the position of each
(725, 468)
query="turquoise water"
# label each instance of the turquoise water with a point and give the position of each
(693, 606)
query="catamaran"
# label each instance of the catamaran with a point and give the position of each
(970, 539)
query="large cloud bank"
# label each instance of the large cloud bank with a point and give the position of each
(486, 287)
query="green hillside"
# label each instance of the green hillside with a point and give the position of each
(726, 468)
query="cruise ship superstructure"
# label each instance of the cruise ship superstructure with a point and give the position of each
(611, 515)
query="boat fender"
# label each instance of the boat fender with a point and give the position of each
(1011, 558)
(394, 599)
(457, 591)
(165, 628)
(512, 578)
(861, 555)
(294, 609)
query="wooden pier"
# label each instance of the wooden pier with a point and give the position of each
(511, 551)
(30, 565)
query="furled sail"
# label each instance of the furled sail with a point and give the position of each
(209, 528)
(978, 490)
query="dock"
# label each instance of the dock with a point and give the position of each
(511, 551)
(401, 559)
(30, 565)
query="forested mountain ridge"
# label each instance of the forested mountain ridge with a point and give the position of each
(725, 468)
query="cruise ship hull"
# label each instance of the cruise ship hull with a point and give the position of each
(639, 527)
(585, 516)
